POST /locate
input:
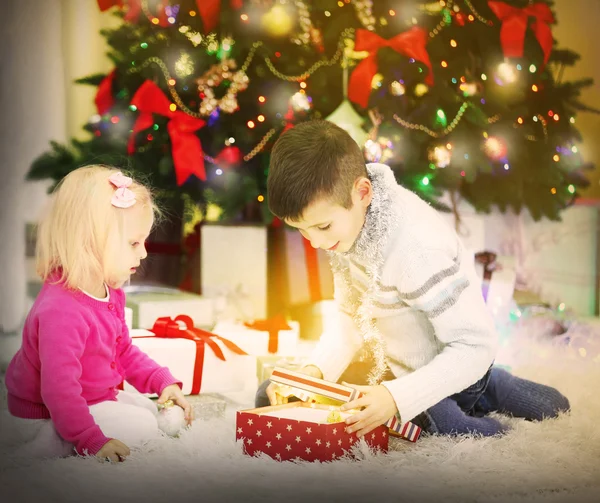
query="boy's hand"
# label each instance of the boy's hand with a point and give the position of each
(276, 392)
(173, 392)
(379, 406)
(113, 450)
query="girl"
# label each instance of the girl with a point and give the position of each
(76, 350)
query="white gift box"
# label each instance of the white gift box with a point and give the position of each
(236, 373)
(234, 257)
(149, 303)
(256, 342)
(129, 317)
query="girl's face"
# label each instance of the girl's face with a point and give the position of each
(137, 225)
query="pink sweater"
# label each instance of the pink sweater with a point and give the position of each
(76, 350)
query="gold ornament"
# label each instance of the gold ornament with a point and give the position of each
(376, 81)
(306, 26)
(507, 73)
(364, 11)
(432, 8)
(440, 156)
(277, 22)
(397, 89)
(421, 90)
(469, 88)
(300, 102)
(350, 53)
(213, 78)
(372, 151)
(184, 66)
(193, 36)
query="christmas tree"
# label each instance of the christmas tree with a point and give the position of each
(464, 97)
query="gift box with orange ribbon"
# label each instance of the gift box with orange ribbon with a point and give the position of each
(205, 362)
(274, 336)
(309, 275)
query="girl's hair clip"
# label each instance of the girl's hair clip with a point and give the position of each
(123, 197)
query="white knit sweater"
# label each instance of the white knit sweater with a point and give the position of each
(409, 277)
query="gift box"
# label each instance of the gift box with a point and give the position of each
(202, 361)
(234, 257)
(275, 336)
(149, 303)
(301, 431)
(208, 406)
(129, 317)
(309, 274)
(309, 389)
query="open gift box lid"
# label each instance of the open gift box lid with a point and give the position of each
(311, 389)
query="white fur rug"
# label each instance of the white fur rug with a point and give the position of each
(552, 461)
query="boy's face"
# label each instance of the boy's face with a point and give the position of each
(332, 227)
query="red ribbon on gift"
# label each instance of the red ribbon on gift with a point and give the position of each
(514, 25)
(312, 269)
(186, 148)
(104, 97)
(273, 326)
(169, 328)
(411, 43)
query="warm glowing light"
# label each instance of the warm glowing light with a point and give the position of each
(250, 124)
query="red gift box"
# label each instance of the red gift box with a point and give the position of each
(304, 387)
(299, 430)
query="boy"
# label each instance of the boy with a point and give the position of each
(407, 291)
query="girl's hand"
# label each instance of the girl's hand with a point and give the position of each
(173, 392)
(113, 450)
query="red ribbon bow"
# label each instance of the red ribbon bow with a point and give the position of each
(411, 43)
(186, 148)
(104, 96)
(134, 9)
(210, 9)
(514, 25)
(166, 327)
(107, 4)
(273, 326)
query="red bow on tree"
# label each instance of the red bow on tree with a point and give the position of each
(211, 9)
(134, 9)
(273, 326)
(514, 25)
(166, 327)
(411, 43)
(104, 97)
(107, 4)
(186, 148)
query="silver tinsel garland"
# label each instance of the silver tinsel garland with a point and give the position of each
(380, 223)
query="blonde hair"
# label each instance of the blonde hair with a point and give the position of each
(79, 236)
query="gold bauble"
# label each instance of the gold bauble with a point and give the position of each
(277, 22)
(376, 81)
(421, 90)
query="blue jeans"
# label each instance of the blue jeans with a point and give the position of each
(466, 412)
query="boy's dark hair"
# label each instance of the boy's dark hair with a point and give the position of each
(315, 159)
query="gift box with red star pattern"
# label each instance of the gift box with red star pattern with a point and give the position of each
(310, 389)
(299, 430)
